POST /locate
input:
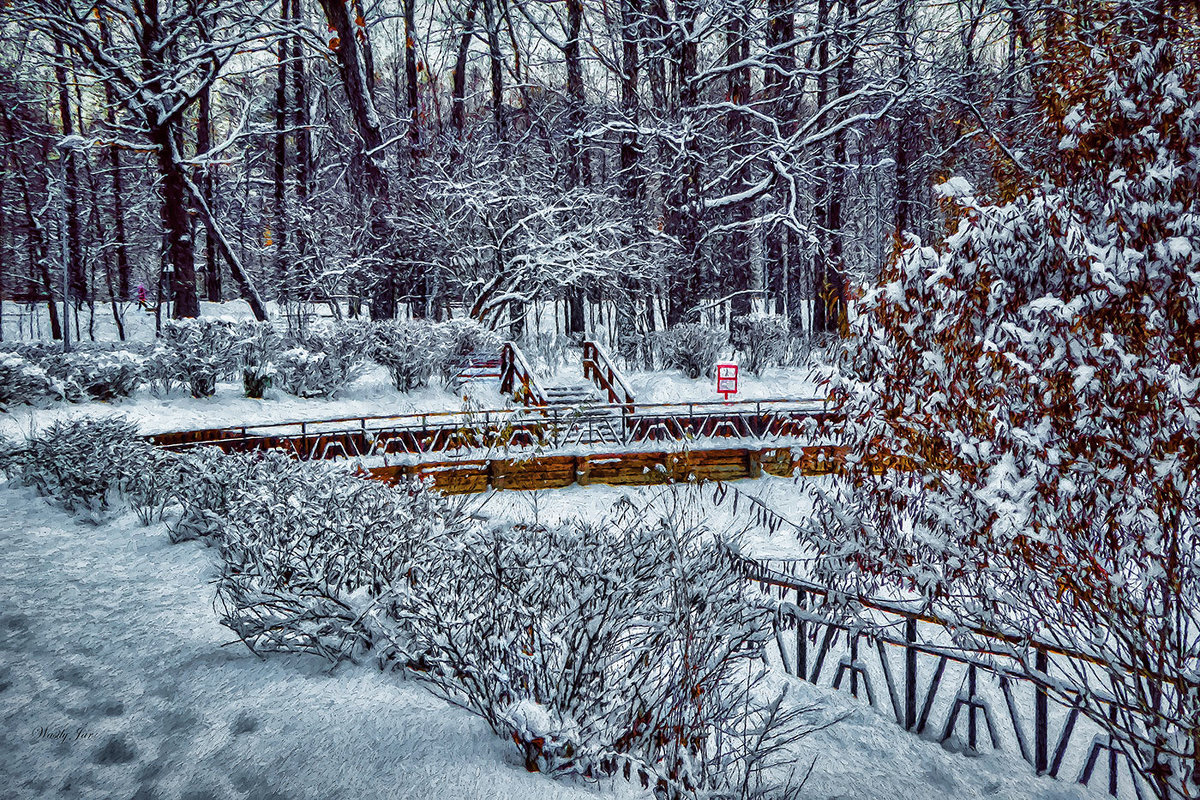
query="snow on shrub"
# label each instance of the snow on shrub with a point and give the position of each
(257, 346)
(208, 481)
(149, 490)
(1038, 375)
(85, 464)
(412, 351)
(199, 352)
(321, 361)
(762, 339)
(309, 550)
(608, 648)
(692, 347)
(11, 454)
(96, 374)
(25, 383)
(594, 646)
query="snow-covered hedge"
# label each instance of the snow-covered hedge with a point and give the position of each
(208, 481)
(25, 383)
(591, 645)
(96, 374)
(313, 555)
(692, 347)
(85, 464)
(322, 360)
(257, 346)
(198, 352)
(10, 455)
(411, 350)
(762, 339)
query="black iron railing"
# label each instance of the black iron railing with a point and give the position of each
(1009, 693)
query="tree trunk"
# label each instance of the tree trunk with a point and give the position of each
(77, 279)
(492, 23)
(38, 255)
(458, 109)
(300, 111)
(631, 176)
(279, 175)
(681, 218)
(837, 293)
(206, 181)
(176, 223)
(737, 126)
(356, 67)
(819, 252)
(118, 183)
(578, 163)
(780, 66)
(410, 79)
(903, 136)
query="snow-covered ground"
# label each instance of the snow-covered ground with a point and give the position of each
(790, 499)
(114, 682)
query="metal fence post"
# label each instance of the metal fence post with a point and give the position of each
(910, 673)
(1041, 714)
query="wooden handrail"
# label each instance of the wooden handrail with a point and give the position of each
(514, 368)
(600, 369)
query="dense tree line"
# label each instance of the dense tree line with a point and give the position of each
(670, 158)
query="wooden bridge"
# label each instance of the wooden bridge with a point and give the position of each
(513, 430)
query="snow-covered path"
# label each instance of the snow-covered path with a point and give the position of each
(114, 683)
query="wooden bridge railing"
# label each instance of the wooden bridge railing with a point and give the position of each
(516, 377)
(512, 429)
(598, 367)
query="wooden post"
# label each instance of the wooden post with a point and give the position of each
(583, 471)
(496, 475)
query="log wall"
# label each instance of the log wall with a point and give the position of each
(616, 469)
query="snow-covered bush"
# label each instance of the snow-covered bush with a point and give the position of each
(162, 371)
(198, 351)
(1037, 374)
(208, 481)
(595, 647)
(762, 339)
(33, 351)
(149, 490)
(692, 347)
(321, 361)
(257, 346)
(412, 351)
(314, 554)
(11, 454)
(459, 340)
(25, 383)
(85, 464)
(96, 374)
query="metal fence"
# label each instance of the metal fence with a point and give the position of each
(907, 665)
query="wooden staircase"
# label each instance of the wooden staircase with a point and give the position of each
(479, 367)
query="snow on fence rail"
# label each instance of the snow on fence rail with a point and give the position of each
(900, 661)
(514, 428)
